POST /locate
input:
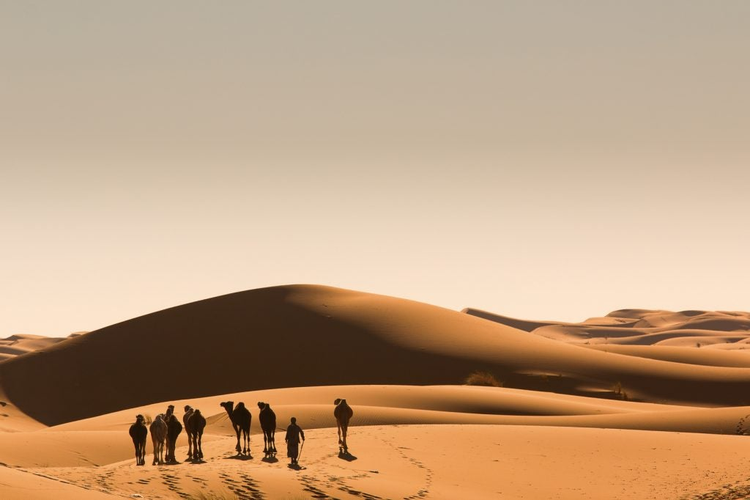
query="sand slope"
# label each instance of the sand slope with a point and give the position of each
(436, 462)
(296, 336)
(16, 345)
(636, 404)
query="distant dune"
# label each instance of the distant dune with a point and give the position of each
(16, 345)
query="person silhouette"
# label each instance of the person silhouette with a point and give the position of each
(293, 434)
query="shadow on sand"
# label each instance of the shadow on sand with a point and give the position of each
(345, 455)
(271, 459)
(295, 466)
(239, 457)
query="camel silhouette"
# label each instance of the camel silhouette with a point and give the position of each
(268, 423)
(197, 424)
(241, 420)
(188, 429)
(343, 413)
(138, 433)
(158, 430)
(174, 428)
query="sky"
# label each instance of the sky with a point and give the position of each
(542, 160)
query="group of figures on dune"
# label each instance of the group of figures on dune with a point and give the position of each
(166, 427)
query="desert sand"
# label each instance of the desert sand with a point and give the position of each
(635, 404)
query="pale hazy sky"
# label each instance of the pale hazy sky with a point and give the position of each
(546, 160)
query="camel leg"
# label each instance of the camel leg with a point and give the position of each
(198, 446)
(273, 440)
(190, 446)
(238, 430)
(344, 429)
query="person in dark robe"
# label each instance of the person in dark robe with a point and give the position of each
(293, 435)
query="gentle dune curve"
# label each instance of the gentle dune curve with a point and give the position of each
(305, 335)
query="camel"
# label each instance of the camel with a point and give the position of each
(241, 420)
(268, 423)
(188, 429)
(158, 430)
(343, 413)
(197, 423)
(138, 433)
(174, 428)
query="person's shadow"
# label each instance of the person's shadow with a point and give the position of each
(345, 455)
(295, 466)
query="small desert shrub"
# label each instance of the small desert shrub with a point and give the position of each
(483, 378)
(619, 391)
(741, 430)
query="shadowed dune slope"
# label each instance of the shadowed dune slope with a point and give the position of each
(304, 335)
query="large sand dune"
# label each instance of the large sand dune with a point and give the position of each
(309, 335)
(636, 404)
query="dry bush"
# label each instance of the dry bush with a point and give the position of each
(483, 378)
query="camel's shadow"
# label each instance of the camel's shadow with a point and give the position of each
(196, 461)
(239, 457)
(270, 459)
(345, 455)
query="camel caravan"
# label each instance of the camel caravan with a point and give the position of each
(166, 428)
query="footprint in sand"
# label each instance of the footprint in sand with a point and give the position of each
(308, 485)
(425, 490)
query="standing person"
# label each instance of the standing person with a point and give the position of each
(293, 434)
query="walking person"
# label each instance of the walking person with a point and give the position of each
(293, 434)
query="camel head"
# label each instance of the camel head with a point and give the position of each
(188, 408)
(228, 406)
(339, 401)
(262, 405)
(140, 419)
